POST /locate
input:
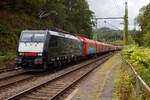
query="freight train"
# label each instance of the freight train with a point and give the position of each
(37, 49)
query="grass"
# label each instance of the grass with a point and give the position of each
(140, 59)
(123, 89)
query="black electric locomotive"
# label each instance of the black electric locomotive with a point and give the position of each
(39, 48)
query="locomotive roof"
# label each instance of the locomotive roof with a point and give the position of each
(62, 35)
(53, 33)
(34, 31)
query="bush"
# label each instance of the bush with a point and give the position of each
(5, 56)
(139, 57)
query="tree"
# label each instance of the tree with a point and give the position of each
(143, 19)
(80, 16)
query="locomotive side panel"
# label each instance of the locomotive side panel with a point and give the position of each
(64, 47)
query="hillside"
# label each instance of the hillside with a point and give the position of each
(111, 36)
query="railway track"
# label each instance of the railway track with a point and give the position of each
(51, 87)
(11, 73)
(15, 81)
(10, 81)
(2, 70)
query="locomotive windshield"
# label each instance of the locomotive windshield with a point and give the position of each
(32, 37)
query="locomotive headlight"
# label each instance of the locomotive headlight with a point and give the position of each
(39, 54)
(21, 54)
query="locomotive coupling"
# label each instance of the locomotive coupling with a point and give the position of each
(38, 61)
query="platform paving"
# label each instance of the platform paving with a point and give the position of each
(107, 93)
(99, 84)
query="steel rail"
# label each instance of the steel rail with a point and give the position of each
(2, 70)
(9, 83)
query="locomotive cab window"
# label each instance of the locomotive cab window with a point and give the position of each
(39, 37)
(32, 37)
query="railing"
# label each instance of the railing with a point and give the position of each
(138, 78)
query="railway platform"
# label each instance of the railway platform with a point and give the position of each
(99, 84)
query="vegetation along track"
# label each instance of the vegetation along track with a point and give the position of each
(51, 88)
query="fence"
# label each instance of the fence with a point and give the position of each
(138, 78)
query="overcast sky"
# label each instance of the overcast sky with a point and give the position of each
(115, 8)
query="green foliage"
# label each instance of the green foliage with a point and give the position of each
(7, 40)
(110, 36)
(122, 87)
(138, 38)
(5, 56)
(79, 17)
(139, 57)
(142, 37)
(117, 43)
(147, 39)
